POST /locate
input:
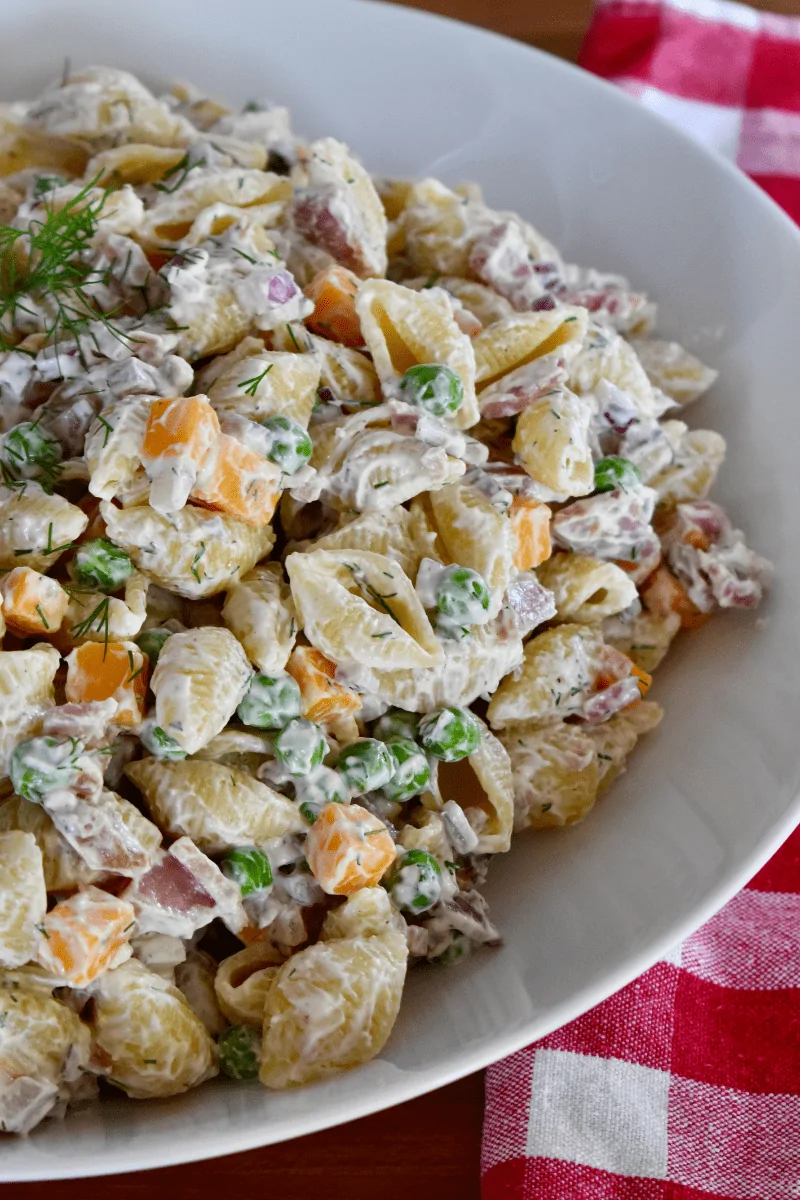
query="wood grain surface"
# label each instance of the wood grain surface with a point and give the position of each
(430, 1146)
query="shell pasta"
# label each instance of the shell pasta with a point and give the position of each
(343, 524)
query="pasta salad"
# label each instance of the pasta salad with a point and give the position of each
(342, 527)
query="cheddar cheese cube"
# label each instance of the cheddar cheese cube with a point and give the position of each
(324, 700)
(530, 522)
(32, 603)
(85, 935)
(333, 291)
(237, 481)
(109, 671)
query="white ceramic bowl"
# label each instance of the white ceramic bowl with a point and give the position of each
(711, 794)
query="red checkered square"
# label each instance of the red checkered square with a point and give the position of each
(774, 73)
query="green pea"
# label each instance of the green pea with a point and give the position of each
(238, 1050)
(300, 746)
(42, 764)
(411, 770)
(459, 948)
(27, 445)
(414, 881)
(323, 786)
(249, 867)
(291, 446)
(434, 388)
(159, 743)
(462, 595)
(365, 765)
(614, 472)
(47, 183)
(450, 733)
(102, 565)
(271, 702)
(396, 724)
(151, 643)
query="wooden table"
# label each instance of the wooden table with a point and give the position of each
(430, 1146)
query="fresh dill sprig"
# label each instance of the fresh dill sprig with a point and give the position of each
(44, 262)
(180, 172)
(251, 385)
(98, 615)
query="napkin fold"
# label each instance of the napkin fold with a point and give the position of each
(685, 1085)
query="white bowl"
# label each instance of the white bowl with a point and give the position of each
(714, 791)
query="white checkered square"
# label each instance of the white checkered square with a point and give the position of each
(599, 1112)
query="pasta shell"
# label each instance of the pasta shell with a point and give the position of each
(337, 207)
(693, 471)
(232, 190)
(26, 692)
(260, 612)
(64, 869)
(517, 340)
(401, 534)
(217, 806)
(21, 149)
(35, 529)
(267, 383)
(552, 444)
(673, 370)
(558, 670)
(192, 552)
(353, 986)
(615, 738)
(23, 899)
(476, 535)
(645, 638)
(347, 373)
(470, 669)
(403, 328)
(102, 105)
(606, 355)
(359, 607)
(482, 301)
(376, 468)
(555, 774)
(155, 1043)
(112, 446)
(484, 782)
(118, 620)
(38, 1037)
(243, 980)
(200, 677)
(586, 589)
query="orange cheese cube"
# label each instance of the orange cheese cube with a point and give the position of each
(333, 290)
(644, 679)
(32, 603)
(348, 848)
(662, 594)
(86, 935)
(324, 700)
(185, 427)
(530, 521)
(109, 671)
(235, 480)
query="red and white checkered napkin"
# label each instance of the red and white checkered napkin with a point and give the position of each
(683, 1086)
(686, 1084)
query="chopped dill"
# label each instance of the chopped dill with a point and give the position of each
(251, 385)
(180, 172)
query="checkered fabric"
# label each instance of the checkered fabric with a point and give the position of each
(683, 1086)
(725, 73)
(686, 1084)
